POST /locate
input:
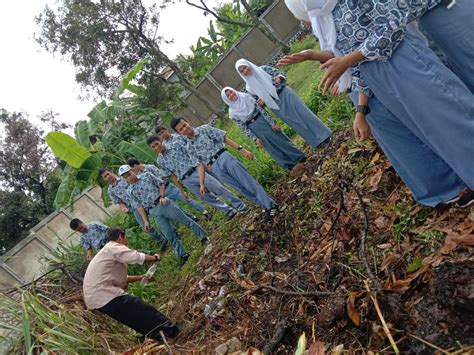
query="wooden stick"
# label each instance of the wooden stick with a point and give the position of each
(429, 344)
(168, 347)
(373, 297)
(281, 329)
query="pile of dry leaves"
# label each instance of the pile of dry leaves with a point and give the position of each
(351, 261)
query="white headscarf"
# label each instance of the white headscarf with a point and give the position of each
(297, 9)
(259, 83)
(319, 13)
(322, 22)
(240, 109)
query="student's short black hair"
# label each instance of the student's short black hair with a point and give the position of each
(114, 233)
(74, 223)
(152, 139)
(175, 121)
(102, 171)
(132, 162)
(160, 129)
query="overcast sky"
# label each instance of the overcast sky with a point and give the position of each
(34, 81)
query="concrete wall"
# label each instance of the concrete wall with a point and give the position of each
(254, 46)
(23, 263)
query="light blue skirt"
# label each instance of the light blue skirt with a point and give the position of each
(298, 116)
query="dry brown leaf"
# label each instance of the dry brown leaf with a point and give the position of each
(317, 348)
(382, 222)
(453, 240)
(351, 310)
(374, 180)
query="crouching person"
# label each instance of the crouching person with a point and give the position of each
(105, 283)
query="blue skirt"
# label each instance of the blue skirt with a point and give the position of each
(277, 144)
(429, 178)
(429, 100)
(298, 116)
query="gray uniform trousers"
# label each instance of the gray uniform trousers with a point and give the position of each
(231, 172)
(215, 188)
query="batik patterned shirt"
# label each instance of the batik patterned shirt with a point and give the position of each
(154, 170)
(146, 191)
(178, 159)
(207, 142)
(95, 237)
(274, 72)
(119, 192)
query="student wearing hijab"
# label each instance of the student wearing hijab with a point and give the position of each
(430, 179)
(255, 122)
(269, 84)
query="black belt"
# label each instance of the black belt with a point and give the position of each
(255, 115)
(188, 173)
(216, 156)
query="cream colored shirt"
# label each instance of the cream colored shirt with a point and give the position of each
(106, 275)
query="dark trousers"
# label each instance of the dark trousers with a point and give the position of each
(140, 316)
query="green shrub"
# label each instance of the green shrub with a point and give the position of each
(308, 42)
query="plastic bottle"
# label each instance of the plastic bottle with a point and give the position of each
(149, 274)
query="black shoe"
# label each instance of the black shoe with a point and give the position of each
(183, 261)
(194, 218)
(207, 214)
(232, 215)
(244, 210)
(204, 242)
(271, 212)
(466, 200)
(163, 246)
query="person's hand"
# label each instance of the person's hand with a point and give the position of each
(277, 80)
(247, 154)
(124, 208)
(295, 58)
(335, 91)
(334, 69)
(163, 201)
(146, 226)
(89, 257)
(260, 102)
(209, 167)
(360, 127)
(276, 128)
(158, 257)
(202, 190)
(259, 142)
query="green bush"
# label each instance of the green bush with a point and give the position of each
(308, 42)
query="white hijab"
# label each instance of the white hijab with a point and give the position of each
(242, 108)
(298, 9)
(319, 12)
(259, 83)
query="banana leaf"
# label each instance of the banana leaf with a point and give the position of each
(124, 83)
(90, 166)
(138, 150)
(82, 133)
(67, 148)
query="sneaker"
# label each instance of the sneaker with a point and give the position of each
(183, 261)
(455, 199)
(163, 247)
(466, 200)
(194, 218)
(232, 215)
(204, 242)
(207, 214)
(244, 210)
(271, 212)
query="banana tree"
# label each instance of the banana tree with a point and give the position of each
(113, 132)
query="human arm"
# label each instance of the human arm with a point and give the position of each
(89, 254)
(308, 54)
(123, 207)
(360, 126)
(243, 127)
(202, 176)
(237, 146)
(163, 200)
(143, 214)
(335, 67)
(279, 77)
(179, 185)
